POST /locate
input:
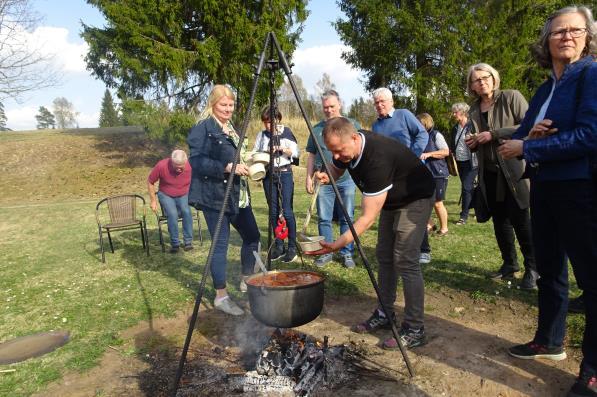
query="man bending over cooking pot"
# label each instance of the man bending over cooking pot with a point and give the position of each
(398, 188)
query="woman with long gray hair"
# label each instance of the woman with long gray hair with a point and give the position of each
(558, 139)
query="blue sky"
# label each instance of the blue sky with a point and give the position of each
(58, 33)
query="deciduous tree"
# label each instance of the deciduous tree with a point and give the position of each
(176, 49)
(23, 65)
(363, 111)
(64, 111)
(45, 118)
(287, 101)
(324, 84)
(2, 118)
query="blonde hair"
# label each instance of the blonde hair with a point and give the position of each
(426, 120)
(485, 68)
(218, 92)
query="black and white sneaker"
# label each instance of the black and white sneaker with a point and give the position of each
(290, 255)
(277, 252)
(377, 321)
(409, 337)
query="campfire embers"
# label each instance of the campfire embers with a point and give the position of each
(309, 363)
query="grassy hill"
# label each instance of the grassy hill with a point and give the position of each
(52, 165)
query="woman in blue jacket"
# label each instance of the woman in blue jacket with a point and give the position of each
(558, 139)
(212, 143)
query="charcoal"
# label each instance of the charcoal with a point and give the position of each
(311, 365)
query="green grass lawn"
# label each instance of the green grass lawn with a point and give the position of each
(51, 278)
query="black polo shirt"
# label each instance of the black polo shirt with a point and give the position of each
(385, 164)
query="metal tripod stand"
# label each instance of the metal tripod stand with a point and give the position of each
(271, 43)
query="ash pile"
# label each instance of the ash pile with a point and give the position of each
(291, 364)
(295, 364)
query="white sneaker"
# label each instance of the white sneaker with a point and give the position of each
(243, 284)
(227, 306)
(425, 258)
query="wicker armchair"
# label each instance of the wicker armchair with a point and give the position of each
(123, 214)
(162, 218)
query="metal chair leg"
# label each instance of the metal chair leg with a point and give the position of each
(101, 243)
(110, 240)
(161, 236)
(142, 233)
(146, 241)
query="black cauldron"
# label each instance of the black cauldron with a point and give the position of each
(286, 298)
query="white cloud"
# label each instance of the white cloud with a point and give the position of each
(311, 63)
(68, 57)
(21, 118)
(75, 82)
(88, 120)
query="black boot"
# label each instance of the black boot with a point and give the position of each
(577, 305)
(529, 280)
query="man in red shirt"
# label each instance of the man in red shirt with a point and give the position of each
(174, 175)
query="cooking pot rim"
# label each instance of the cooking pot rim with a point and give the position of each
(285, 287)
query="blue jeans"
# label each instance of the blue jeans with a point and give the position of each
(244, 223)
(325, 210)
(174, 208)
(564, 218)
(287, 193)
(467, 177)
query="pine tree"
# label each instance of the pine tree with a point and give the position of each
(108, 115)
(45, 119)
(177, 49)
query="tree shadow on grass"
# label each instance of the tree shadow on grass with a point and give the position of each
(131, 149)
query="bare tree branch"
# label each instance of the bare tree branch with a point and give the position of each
(23, 65)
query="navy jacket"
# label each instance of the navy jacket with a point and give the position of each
(438, 167)
(568, 153)
(210, 151)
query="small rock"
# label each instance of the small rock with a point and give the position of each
(459, 309)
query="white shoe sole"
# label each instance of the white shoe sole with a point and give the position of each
(554, 357)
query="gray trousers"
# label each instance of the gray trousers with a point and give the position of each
(399, 240)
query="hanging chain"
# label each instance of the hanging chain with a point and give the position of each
(281, 229)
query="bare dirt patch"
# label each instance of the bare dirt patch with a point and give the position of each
(465, 356)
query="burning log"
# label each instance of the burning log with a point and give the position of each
(308, 362)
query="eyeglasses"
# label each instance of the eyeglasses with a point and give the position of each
(574, 33)
(483, 79)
